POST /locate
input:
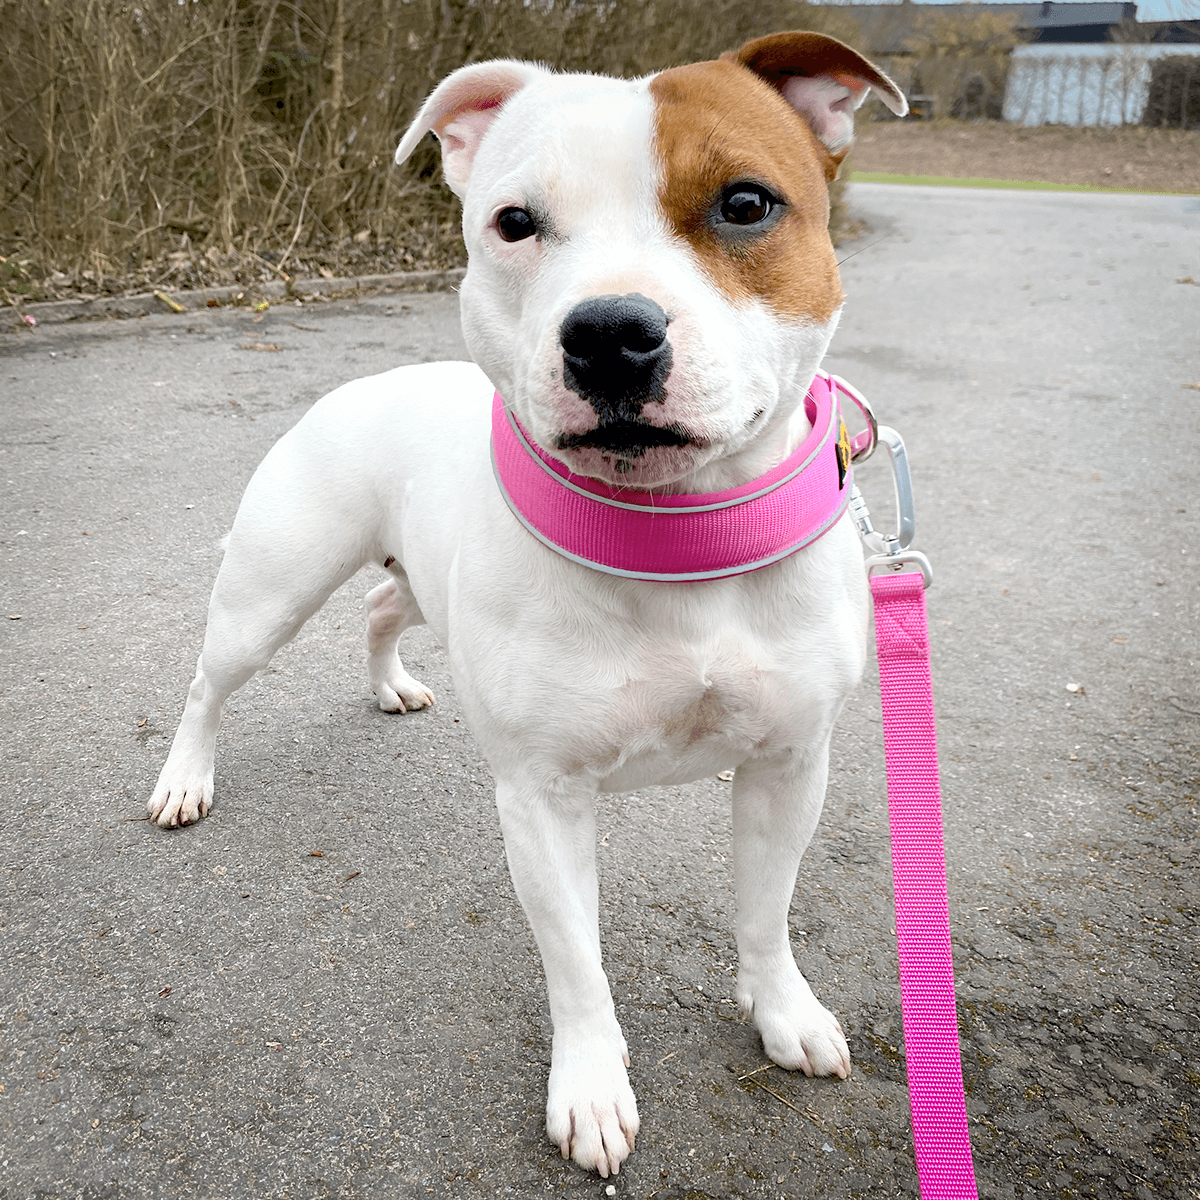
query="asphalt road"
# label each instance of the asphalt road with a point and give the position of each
(328, 989)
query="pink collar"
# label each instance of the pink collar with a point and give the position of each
(680, 537)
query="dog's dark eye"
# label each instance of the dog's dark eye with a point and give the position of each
(745, 204)
(515, 225)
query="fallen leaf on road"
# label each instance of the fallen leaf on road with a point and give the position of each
(260, 346)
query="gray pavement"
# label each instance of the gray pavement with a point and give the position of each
(327, 988)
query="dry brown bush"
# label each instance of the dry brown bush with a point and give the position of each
(166, 142)
(957, 60)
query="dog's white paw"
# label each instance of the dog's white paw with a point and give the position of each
(591, 1114)
(396, 690)
(180, 798)
(798, 1031)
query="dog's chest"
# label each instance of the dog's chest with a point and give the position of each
(691, 692)
(689, 709)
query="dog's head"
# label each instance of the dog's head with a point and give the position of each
(651, 283)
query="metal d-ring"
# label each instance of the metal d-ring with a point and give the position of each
(862, 445)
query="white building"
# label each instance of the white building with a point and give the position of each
(1102, 83)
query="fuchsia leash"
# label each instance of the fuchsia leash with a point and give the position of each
(941, 1139)
(935, 1086)
(678, 538)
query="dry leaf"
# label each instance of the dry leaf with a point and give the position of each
(173, 305)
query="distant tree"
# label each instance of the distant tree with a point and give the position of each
(962, 59)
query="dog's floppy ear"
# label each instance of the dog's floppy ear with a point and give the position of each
(822, 79)
(460, 110)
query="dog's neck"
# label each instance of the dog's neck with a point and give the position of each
(678, 537)
(763, 453)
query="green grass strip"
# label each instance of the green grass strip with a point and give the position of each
(1031, 185)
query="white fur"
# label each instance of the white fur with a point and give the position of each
(828, 103)
(829, 106)
(573, 682)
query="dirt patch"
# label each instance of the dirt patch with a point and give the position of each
(1130, 157)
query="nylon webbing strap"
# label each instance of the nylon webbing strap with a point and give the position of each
(935, 1086)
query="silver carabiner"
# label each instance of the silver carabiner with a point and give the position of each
(891, 551)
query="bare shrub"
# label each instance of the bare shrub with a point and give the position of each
(1174, 95)
(959, 60)
(255, 136)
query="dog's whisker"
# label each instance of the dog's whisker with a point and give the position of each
(863, 249)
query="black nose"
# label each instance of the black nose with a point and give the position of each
(616, 354)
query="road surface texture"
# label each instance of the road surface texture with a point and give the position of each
(327, 988)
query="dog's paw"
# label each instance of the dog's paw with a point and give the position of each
(396, 690)
(180, 798)
(798, 1031)
(591, 1114)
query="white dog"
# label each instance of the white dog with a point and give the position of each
(651, 290)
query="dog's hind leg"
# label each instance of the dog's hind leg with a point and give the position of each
(391, 609)
(288, 551)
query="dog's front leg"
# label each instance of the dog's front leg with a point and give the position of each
(550, 840)
(776, 805)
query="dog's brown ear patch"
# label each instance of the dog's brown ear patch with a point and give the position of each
(718, 124)
(822, 79)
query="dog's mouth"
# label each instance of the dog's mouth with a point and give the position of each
(631, 454)
(626, 440)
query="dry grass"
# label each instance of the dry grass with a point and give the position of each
(222, 141)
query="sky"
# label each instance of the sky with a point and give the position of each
(1148, 10)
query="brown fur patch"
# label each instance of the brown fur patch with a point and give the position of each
(717, 123)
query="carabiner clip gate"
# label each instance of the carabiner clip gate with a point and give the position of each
(890, 551)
